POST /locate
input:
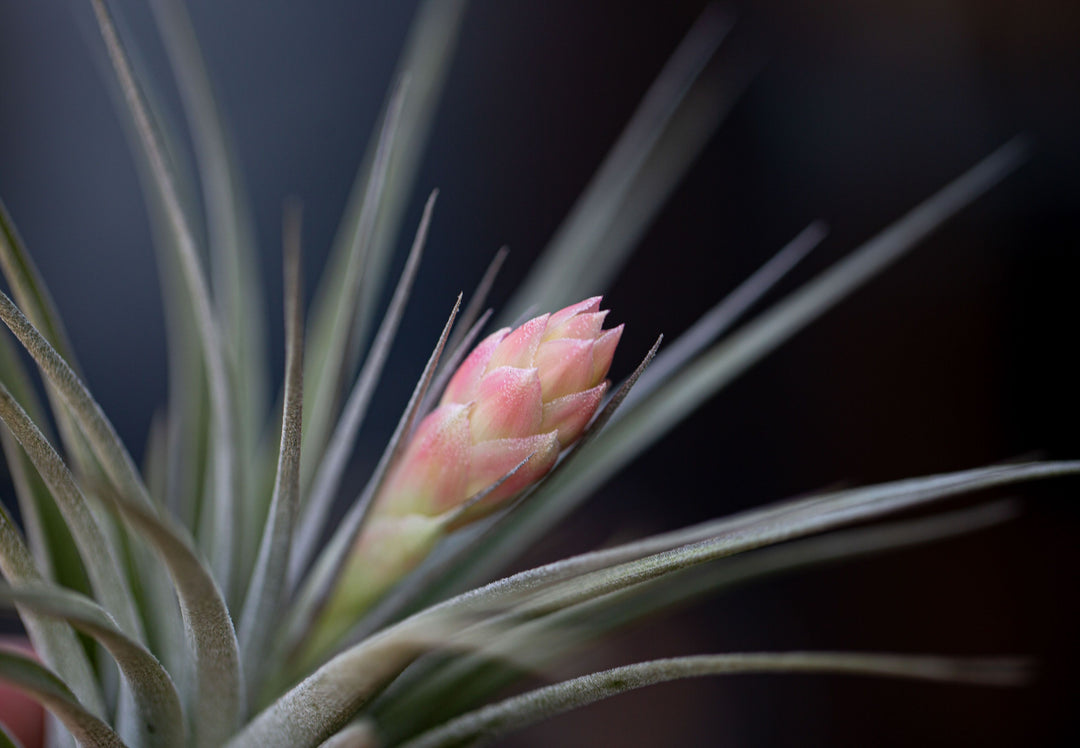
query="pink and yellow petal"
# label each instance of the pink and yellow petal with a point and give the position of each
(604, 352)
(433, 472)
(518, 348)
(585, 326)
(463, 385)
(493, 460)
(565, 366)
(569, 415)
(508, 404)
(582, 307)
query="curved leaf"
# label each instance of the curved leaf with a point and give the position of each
(54, 695)
(233, 266)
(161, 722)
(98, 555)
(54, 641)
(109, 450)
(92, 420)
(515, 713)
(32, 294)
(428, 694)
(218, 688)
(643, 425)
(225, 483)
(48, 535)
(756, 528)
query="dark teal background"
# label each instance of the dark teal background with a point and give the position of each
(961, 355)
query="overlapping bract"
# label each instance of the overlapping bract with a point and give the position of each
(521, 394)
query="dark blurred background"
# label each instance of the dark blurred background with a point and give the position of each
(959, 356)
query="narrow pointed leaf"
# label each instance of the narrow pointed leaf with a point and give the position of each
(54, 695)
(721, 317)
(664, 553)
(226, 523)
(650, 420)
(322, 576)
(332, 466)
(160, 720)
(577, 599)
(425, 61)
(569, 268)
(473, 309)
(233, 266)
(333, 316)
(110, 453)
(517, 712)
(433, 691)
(266, 591)
(777, 524)
(451, 362)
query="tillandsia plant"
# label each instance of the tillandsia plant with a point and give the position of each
(209, 599)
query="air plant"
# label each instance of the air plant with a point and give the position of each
(207, 600)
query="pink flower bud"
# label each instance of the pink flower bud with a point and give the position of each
(519, 398)
(528, 391)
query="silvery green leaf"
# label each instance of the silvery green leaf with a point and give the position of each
(110, 453)
(334, 309)
(48, 536)
(54, 695)
(53, 641)
(640, 561)
(578, 262)
(31, 292)
(340, 447)
(233, 266)
(626, 565)
(425, 61)
(493, 721)
(100, 558)
(320, 579)
(642, 426)
(721, 317)
(160, 719)
(266, 590)
(224, 502)
(432, 689)
(100, 433)
(218, 689)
